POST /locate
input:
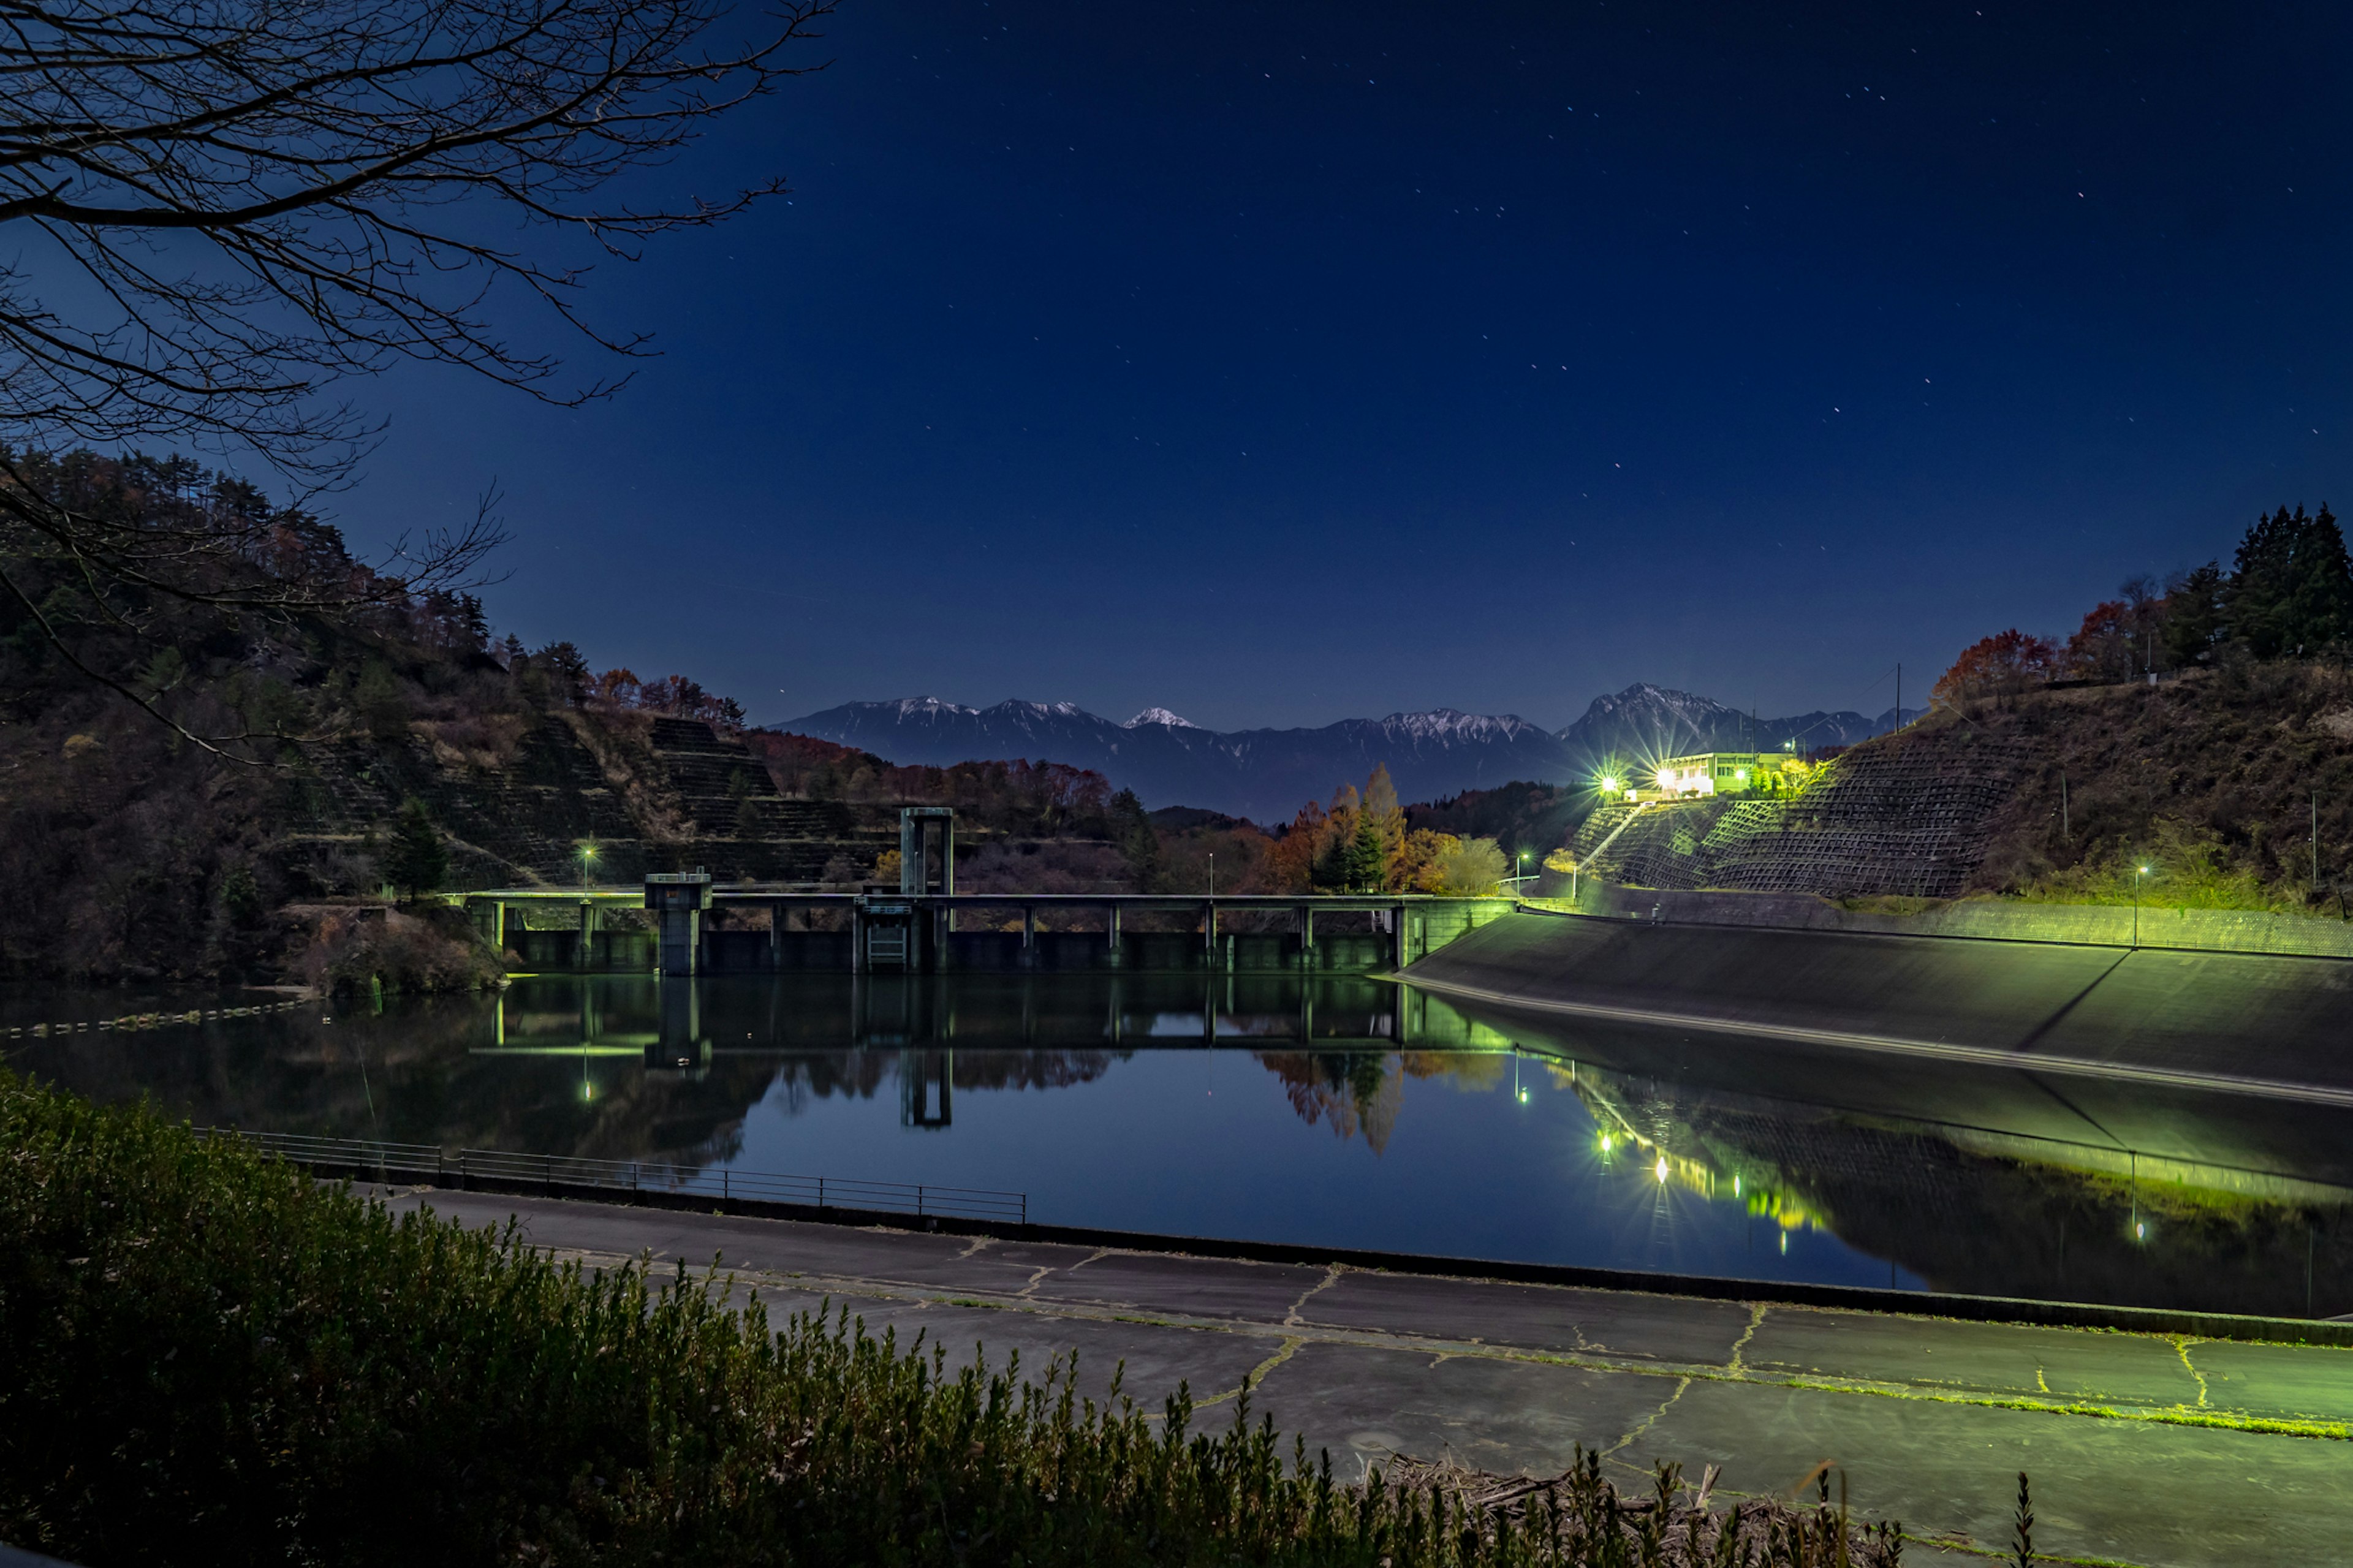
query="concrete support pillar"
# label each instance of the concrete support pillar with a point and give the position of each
(1028, 940)
(499, 924)
(583, 950)
(1209, 932)
(775, 936)
(943, 923)
(1111, 933)
(1307, 936)
(856, 939)
(1397, 936)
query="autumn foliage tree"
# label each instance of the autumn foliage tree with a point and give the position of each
(1361, 843)
(2101, 648)
(1999, 666)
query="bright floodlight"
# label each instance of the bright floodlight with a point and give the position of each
(2144, 871)
(1660, 1170)
(1608, 785)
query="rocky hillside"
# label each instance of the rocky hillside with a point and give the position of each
(2209, 778)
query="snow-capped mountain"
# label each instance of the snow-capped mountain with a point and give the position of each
(1266, 774)
(1650, 721)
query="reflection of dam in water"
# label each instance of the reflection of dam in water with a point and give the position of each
(684, 1027)
(1339, 1110)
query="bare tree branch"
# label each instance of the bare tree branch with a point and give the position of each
(248, 202)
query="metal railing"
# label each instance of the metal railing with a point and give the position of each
(723, 1182)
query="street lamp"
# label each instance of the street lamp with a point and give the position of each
(2138, 872)
(587, 859)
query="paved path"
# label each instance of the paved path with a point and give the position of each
(2143, 1449)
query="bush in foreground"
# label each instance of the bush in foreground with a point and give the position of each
(208, 1356)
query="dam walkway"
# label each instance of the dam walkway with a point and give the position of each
(685, 923)
(2143, 1448)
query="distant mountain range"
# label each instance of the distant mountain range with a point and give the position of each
(1266, 774)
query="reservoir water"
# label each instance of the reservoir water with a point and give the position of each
(1342, 1111)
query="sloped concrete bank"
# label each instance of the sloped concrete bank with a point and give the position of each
(2242, 1023)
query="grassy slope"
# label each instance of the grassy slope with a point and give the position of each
(205, 1357)
(2209, 779)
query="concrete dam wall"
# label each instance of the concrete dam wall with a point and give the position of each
(2237, 1021)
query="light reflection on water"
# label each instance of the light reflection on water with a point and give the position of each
(1342, 1111)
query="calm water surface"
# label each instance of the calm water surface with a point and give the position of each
(1342, 1111)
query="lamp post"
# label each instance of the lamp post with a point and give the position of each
(2138, 872)
(587, 859)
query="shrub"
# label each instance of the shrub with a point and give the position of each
(208, 1356)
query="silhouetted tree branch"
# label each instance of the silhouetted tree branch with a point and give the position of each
(220, 211)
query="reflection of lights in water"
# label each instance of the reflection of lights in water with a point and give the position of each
(2140, 1230)
(1605, 1142)
(1785, 1243)
(1660, 1170)
(1735, 1186)
(1523, 1097)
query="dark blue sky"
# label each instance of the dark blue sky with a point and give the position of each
(1282, 364)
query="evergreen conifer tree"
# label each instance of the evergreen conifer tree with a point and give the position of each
(1368, 857)
(2291, 588)
(2320, 597)
(2193, 617)
(1132, 831)
(415, 861)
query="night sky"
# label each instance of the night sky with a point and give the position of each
(1282, 363)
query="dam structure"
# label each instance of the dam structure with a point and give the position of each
(684, 923)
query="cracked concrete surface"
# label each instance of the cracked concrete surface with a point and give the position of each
(2144, 1448)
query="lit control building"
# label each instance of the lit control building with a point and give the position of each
(1710, 773)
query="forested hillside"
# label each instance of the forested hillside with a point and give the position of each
(189, 788)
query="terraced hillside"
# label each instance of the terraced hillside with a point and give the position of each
(648, 793)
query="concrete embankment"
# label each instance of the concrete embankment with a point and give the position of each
(2244, 1022)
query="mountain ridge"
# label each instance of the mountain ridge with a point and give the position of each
(1266, 774)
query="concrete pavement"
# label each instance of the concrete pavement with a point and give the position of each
(2144, 1449)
